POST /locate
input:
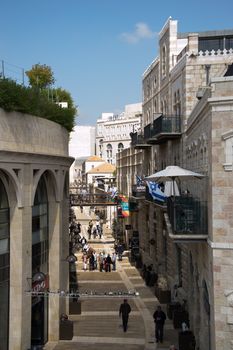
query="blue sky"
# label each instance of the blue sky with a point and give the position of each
(98, 49)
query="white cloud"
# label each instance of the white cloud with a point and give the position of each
(142, 31)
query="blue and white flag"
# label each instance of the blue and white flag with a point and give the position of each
(114, 192)
(139, 180)
(155, 191)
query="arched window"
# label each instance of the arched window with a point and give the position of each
(4, 266)
(120, 147)
(40, 249)
(101, 147)
(164, 61)
(109, 152)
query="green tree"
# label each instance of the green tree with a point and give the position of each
(61, 95)
(40, 76)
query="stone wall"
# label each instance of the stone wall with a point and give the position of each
(25, 133)
(30, 148)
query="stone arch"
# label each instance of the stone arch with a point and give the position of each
(66, 186)
(51, 179)
(12, 186)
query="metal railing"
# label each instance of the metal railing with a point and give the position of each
(91, 199)
(147, 131)
(188, 215)
(166, 124)
(137, 139)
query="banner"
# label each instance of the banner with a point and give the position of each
(124, 205)
(155, 191)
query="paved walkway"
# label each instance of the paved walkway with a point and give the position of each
(99, 326)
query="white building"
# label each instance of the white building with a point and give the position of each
(82, 144)
(113, 131)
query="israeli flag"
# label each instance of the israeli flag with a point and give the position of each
(155, 191)
(114, 192)
(139, 180)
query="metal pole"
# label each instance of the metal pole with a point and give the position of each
(23, 75)
(3, 73)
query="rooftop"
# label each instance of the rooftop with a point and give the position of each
(94, 159)
(103, 168)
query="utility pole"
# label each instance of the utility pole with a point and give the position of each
(3, 73)
(23, 76)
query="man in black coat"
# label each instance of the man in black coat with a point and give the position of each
(159, 319)
(124, 312)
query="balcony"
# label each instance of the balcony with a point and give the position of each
(162, 129)
(188, 218)
(138, 141)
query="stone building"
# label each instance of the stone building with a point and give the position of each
(34, 203)
(113, 131)
(187, 121)
(81, 145)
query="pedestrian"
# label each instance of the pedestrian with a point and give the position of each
(84, 258)
(108, 262)
(124, 312)
(79, 227)
(113, 261)
(94, 232)
(97, 225)
(159, 319)
(101, 262)
(90, 224)
(91, 262)
(120, 250)
(95, 260)
(89, 233)
(100, 232)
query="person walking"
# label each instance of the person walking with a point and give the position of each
(124, 312)
(113, 261)
(108, 262)
(159, 319)
(85, 260)
(101, 262)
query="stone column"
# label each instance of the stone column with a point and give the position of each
(193, 43)
(54, 269)
(20, 278)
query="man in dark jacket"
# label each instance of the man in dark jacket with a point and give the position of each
(124, 312)
(159, 319)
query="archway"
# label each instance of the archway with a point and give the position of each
(4, 267)
(40, 259)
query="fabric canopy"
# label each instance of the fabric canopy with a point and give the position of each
(171, 172)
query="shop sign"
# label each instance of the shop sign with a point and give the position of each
(140, 189)
(41, 286)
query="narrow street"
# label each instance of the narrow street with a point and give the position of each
(99, 326)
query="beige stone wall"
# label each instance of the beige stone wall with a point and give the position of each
(25, 133)
(29, 148)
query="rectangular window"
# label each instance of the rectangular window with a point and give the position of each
(209, 44)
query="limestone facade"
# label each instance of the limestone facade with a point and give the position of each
(113, 131)
(191, 84)
(32, 148)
